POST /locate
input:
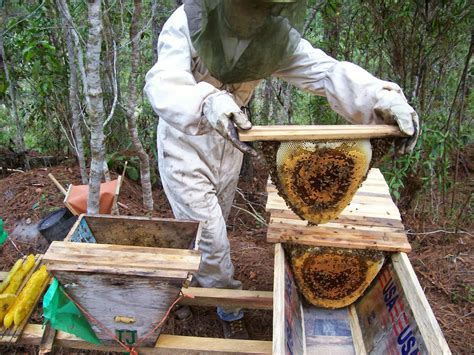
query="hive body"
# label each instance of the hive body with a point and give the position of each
(130, 274)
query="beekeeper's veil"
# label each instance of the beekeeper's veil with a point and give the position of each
(244, 40)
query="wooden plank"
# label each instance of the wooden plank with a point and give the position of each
(357, 337)
(58, 185)
(351, 210)
(117, 270)
(183, 344)
(288, 323)
(298, 233)
(425, 319)
(144, 231)
(47, 340)
(212, 297)
(344, 219)
(339, 225)
(104, 255)
(343, 239)
(342, 243)
(279, 301)
(317, 132)
(372, 210)
(166, 344)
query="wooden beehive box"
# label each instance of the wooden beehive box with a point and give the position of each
(125, 271)
(335, 262)
(392, 317)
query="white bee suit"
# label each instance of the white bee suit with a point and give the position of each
(199, 169)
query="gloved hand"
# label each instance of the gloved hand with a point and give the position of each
(393, 108)
(223, 114)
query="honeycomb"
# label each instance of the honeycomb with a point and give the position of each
(318, 179)
(333, 278)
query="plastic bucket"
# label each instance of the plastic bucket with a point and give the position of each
(56, 225)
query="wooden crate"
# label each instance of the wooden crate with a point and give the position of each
(393, 317)
(125, 271)
(335, 262)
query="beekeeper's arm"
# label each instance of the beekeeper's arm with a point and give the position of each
(191, 107)
(351, 91)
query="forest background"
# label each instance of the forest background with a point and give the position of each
(72, 74)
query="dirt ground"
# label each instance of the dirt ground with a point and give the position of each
(443, 262)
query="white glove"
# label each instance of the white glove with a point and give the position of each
(393, 108)
(223, 114)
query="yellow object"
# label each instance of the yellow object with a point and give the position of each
(14, 269)
(28, 295)
(18, 277)
(319, 179)
(8, 320)
(6, 301)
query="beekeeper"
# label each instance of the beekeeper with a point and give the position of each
(211, 56)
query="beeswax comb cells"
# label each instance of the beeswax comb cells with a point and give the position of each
(318, 179)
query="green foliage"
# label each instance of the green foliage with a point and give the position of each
(116, 162)
(5, 127)
(420, 45)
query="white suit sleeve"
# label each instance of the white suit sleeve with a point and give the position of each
(170, 85)
(350, 90)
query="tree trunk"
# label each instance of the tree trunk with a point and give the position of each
(132, 112)
(155, 28)
(20, 130)
(287, 102)
(95, 107)
(267, 100)
(73, 91)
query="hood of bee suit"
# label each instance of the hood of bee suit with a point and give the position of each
(244, 40)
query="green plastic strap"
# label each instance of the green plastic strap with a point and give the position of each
(64, 314)
(3, 233)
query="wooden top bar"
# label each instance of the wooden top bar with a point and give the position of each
(370, 221)
(122, 259)
(322, 132)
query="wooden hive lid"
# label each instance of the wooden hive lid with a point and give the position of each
(122, 259)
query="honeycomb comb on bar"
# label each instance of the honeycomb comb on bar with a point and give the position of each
(319, 179)
(333, 278)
